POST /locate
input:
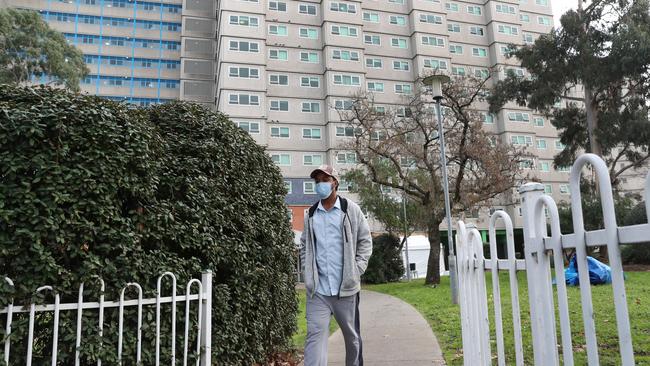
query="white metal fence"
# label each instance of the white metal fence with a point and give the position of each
(540, 250)
(202, 298)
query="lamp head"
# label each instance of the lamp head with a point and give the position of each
(436, 81)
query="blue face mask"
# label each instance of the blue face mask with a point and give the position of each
(323, 189)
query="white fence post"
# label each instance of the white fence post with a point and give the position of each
(540, 291)
(206, 331)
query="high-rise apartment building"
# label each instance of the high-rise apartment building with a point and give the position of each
(281, 69)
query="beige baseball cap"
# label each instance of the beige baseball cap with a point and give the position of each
(326, 169)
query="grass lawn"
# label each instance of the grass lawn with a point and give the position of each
(299, 336)
(435, 305)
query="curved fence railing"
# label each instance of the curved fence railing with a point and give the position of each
(542, 253)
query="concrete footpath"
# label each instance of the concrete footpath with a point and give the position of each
(393, 333)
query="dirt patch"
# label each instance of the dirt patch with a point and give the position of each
(636, 267)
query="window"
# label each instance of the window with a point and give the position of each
(524, 18)
(505, 9)
(538, 122)
(310, 81)
(280, 132)
(528, 38)
(346, 158)
(455, 49)
(347, 80)
(310, 107)
(281, 159)
(527, 164)
(311, 57)
(563, 168)
(403, 112)
(280, 106)
(433, 41)
(482, 73)
(474, 10)
(344, 30)
(277, 6)
(397, 20)
(453, 27)
(243, 99)
(250, 127)
(559, 145)
(520, 140)
(479, 52)
(307, 9)
(372, 40)
(370, 17)
(458, 70)
(544, 166)
(403, 89)
(375, 86)
(278, 30)
(435, 64)
(244, 20)
(541, 144)
(288, 186)
(407, 161)
(311, 133)
(548, 189)
(374, 63)
(282, 55)
(345, 55)
(564, 189)
(452, 7)
(430, 18)
(398, 42)
(316, 159)
(244, 46)
(278, 79)
(343, 7)
(308, 187)
(380, 110)
(476, 31)
(244, 72)
(310, 33)
(544, 20)
(347, 131)
(488, 118)
(401, 65)
(401, 2)
(518, 117)
(345, 186)
(541, 2)
(378, 136)
(505, 50)
(508, 29)
(343, 104)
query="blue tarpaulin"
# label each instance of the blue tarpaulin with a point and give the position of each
(599, 272)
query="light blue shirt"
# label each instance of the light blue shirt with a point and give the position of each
(328, 230)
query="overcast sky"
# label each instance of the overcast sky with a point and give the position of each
(560, 6)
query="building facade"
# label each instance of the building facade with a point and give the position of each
(281, 69)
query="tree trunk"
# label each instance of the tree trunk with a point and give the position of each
(433, 264)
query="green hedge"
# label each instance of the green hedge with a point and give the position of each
(90, 188)
(636, 253)
(386, 263)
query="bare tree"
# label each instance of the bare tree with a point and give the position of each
(398, 147)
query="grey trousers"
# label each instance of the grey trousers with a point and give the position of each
(346, 312)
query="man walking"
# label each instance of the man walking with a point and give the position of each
(336, 246)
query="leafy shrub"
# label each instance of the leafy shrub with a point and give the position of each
(637, 253)
(385, 264)
(89, 187)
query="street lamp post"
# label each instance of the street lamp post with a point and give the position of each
(406, 241)
(436, 81)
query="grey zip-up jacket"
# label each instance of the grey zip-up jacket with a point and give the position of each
(357, 248)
